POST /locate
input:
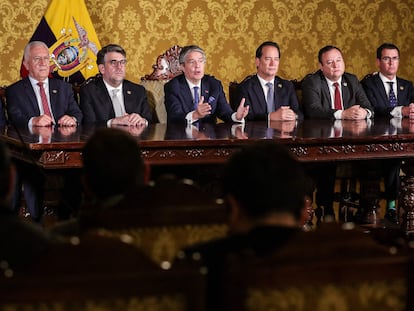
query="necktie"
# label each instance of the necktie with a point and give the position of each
(196, 97)
(337, 102)
(43, 97)
(391, 96)
(117, 104)
(270, 96)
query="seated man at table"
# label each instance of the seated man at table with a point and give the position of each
(390, 97)
(265, 189)
(110, 98)
(269, 97)
(20, 241)
(331, 93)
(39, 101)
(194, 96)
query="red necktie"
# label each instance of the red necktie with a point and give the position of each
(337, 103)
(45, 104)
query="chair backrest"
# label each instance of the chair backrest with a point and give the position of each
(163, 219)
(166, 67)
(319, 271)
(98, 273)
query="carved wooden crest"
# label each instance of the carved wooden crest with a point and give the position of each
(167, 65)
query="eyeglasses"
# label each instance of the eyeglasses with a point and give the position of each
(115, 63)
(38, 59)
(386, 59)
(192, 62)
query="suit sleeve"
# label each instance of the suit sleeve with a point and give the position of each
(223, 109)
(141, 105)
(362, 99)
(373, 95)
(313, 102)
(86, 105)
(18, 115)
(72, 107)
(293, 102)
(173, 102)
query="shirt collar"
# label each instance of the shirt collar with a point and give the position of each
(384, 79)
(330, 82)
(263, 81)
(34, 82)
(110, 88)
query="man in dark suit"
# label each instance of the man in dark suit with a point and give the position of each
(37, 101)
(284, 104)
(195, 96)
(21, 242)
(24, 98)
(110, 98)
(265, 188)
(391, 97)
(330, 93)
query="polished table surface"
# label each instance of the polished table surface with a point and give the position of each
(169, 144)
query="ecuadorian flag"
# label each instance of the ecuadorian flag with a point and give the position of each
(67, 30)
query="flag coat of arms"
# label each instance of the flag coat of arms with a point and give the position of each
(67, 30)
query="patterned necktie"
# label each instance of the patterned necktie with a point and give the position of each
(391, 95)
(196, 97)
(337, 102)
(45, 105)
(270, 97)
(117, 104)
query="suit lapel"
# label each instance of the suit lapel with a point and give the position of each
(260, 96)
(325, 90)
(205, 87)
(379, 85)
(346, 96)
(31, 96)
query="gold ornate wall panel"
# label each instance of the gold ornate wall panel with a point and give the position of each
(229, 31)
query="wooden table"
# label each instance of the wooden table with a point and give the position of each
(310, 140)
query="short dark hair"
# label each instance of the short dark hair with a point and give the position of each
(325, 49)
(100, 57)
(389, 46)
(265, 178)
(259, 50)
(190, 48)
(5, 164)
(112, 163)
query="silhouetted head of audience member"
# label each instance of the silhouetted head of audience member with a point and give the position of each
(112, 164)
(264, 185)
(7, 176)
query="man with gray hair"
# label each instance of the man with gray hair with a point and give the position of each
(194, 96)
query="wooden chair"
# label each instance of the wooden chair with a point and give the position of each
(329, 268)
(98, 273)
(166, 67)
(162, 219)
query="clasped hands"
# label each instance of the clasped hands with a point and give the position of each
(133, 119)
(408, 111)
(45, 120)
(355, 112)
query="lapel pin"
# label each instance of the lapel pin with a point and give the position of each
(54, 91)
(401, 88)
(345, 84)
(279, 85)
(129, 92)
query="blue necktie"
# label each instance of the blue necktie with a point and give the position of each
(270, 96)
(391, 96)
(196, 97)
